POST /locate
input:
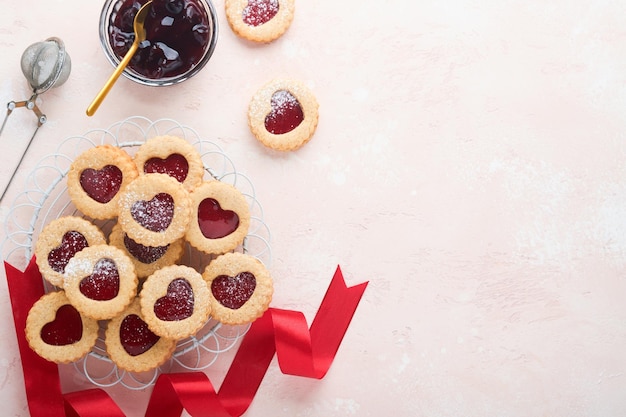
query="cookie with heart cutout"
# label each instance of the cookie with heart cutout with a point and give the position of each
(220, 218)
(260, 20)
(175, 302)
(59, 241)
(132, 346)
(154, 210)
(240, 288)
(100, 281)
(173, 156)
(57, 331)
(147, 259)
(283, 114)
(97, 177)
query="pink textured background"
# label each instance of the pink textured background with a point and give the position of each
(469, 163)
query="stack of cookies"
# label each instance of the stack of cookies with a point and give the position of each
(134, 280)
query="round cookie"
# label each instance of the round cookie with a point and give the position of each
(220, 218)
(175, 302)
(259, 20)
(96, 178)
(241, 288)
(59, 241)
(57, 331)
(146, 259)
(154, 210)
(132, 346)
(283, 114)
(100, 281)
(173, 156)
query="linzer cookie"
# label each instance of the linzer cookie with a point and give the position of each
(146, 259)
(175, 302)
(283, 114)
(220, 218)
(59, 241)
(259, 20)
(241, 288)
(57, 331)
(132, 346)
(96, 178)
(154, 210)
(100, 281)
(173, 156)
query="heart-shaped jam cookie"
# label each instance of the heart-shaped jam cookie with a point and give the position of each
(65, 329)
(283, 114)
(221, 218)
(259, 20)
(155, 214)
(57, 331)
(101, 184)
(259, 12)
(177, 304)
(72, 242)
(240, 286)
(135, 336)
(286, 113)
(100, 281)
(214, 222)
(104, 282)
(233, 292)
(97, 177)
(174, 165)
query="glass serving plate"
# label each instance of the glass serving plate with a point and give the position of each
(45, 198)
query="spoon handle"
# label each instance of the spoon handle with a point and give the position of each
(112, 79)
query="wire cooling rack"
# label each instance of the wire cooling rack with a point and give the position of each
(45, 198)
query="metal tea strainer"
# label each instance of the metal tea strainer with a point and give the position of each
(45, 65)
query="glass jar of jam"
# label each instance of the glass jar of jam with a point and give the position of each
(180, 38)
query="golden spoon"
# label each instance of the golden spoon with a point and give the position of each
(140, 36)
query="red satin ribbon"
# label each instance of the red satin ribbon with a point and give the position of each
(301, 351)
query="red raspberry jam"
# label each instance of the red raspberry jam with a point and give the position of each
(233, 292)
(177, 304)
(286, 113)
(104, 282)
(67, 327)
(101, 184)
(175, 165)
(259, 12)
(135, 336)
(214, 222)
(72, 242)
(177, 36)
(144, 254)
(155, 214)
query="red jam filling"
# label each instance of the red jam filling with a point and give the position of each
(233, 292)
(72, 242)
(175, 166)
(177, 304)
(156, 214)
(144, 254)
(259, 12)
(104, 282)
(135, 336)
(65, 329)
(214, 222)
(101, 184)
(177, 35)
(286, 113)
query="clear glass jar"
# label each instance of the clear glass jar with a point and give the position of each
(109, 11)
